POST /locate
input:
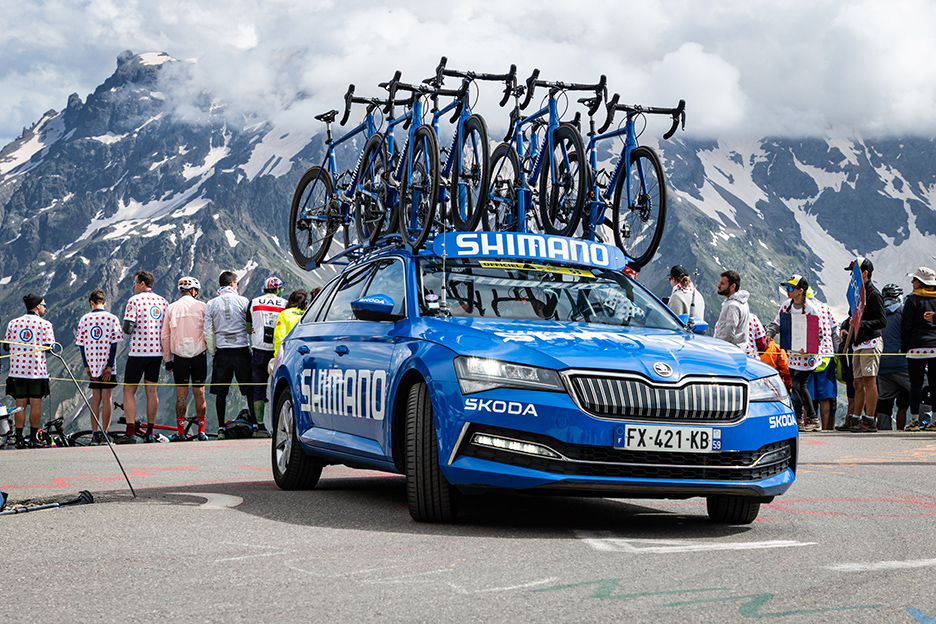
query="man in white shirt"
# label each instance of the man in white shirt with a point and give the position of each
(184, 348)
(263, 313)
(97, 337)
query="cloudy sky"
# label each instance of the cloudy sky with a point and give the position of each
(745, 67)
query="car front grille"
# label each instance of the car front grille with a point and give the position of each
(606, 461)
(627, 397)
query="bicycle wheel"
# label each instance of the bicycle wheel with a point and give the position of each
(420, 190)
(562, 182)
(371, 216)
(500, 214)
(471, 175)
(312, 220)
(638, 224)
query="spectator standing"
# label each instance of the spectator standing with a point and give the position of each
(733, 321)
(227, 328)
(287, 319)
(918, 338)
(893, 382)
(823, 383)
(264, 311)
(184, 352)
(866, 352)
(757, 337)
(97, 337)
(142, 321)
(28, 381)
(799, 301)
(684, 299)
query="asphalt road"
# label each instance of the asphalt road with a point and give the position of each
(210, 538)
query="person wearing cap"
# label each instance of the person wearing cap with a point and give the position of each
(867, 347)
(97, 337)
(263, 313)
(684, 299)
(800, 300)
(893, 382)
(733, 321)
(184, 353)
(28, 381)
(918, 338)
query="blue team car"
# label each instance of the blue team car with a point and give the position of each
(524, 362)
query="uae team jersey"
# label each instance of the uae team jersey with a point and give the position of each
(30, 332)
(263, 312)
(147, 310)
(96, 332)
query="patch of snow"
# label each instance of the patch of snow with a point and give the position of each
(215, 154)
(71, 278)
(109, 138)
(251, 265)
(6, 280)
(47, 132)
(232, 241)
(273, 154)
(154, 58)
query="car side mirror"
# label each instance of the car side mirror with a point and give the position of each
(375, 308)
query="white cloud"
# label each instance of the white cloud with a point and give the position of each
(744, 67)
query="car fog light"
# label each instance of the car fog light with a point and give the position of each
(775, 456)
(513, 445)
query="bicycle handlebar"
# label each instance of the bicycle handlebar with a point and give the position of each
(678, 114)
(391, 87)
(372, 103)
(530, 86)
(347, 104)
(600, 89)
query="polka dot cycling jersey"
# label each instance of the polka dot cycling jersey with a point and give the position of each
(96, 332)
(28, 360)
(147, 311)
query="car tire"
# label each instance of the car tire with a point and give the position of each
(732, 509)
(293, 468)
(430, 497)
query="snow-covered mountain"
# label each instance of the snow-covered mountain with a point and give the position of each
(131, 178)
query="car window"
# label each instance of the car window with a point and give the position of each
(529, 291)
(350, 288)
(390, 280)
(312, 312)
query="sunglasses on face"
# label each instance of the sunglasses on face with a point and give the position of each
(789, 288)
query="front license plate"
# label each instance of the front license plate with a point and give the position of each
(664, 438)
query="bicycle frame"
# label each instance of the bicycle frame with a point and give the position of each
(457, 140)
(598, 206)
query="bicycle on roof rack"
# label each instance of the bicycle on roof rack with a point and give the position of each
(467, 165)
(554, 165)
(635, 189)
(325, 201)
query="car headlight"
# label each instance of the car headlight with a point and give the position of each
(768, 389)
(479, 374)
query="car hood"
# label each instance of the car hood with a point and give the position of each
(566, 345)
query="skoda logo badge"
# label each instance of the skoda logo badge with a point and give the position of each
(662, 369)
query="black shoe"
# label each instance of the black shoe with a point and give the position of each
(865, 425)
(37, 443)
(125, 440)
(22, 443)
(149, 439)
(850, 421)
(261, 432)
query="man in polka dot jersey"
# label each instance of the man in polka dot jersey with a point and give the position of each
(143, 321)
(28, 381)
(97, 337)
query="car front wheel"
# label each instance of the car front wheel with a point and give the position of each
(430, 497)
(732, 509)
(293, 469)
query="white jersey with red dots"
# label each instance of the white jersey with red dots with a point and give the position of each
(146, 310)
(29, 333)
(97, 331)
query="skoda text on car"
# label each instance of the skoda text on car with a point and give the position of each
(523, 362)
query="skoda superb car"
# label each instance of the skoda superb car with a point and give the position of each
(523, 362)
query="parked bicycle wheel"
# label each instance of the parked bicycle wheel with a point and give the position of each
(80, 438)
(500, 214)
(638, 226)
(562, 185)
(471, 175)
(312, 221)
(420, 190)
(372, 217)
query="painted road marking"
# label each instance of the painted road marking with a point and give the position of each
(215, 501)
(601, 541)
(882, 565)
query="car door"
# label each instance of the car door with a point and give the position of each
(364, 358)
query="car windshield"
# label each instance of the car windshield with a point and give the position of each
(530, 291)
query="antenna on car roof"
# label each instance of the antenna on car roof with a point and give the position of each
(443, 304)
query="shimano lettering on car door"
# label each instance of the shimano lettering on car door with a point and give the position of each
(358, 397)
(321, 378)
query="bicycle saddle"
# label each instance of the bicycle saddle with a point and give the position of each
(328, 117)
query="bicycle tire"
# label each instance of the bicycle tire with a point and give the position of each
(471, 173)
(638, 227)
(501, 212)
(312, 218)
(371, 215)
(420, 190)
(562, 191)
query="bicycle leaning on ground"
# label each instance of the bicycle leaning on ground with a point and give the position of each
(85, 437)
